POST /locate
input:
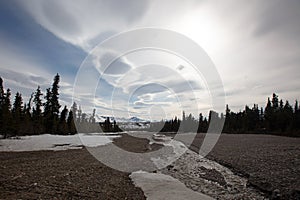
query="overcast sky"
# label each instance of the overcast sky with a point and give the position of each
(255, 46)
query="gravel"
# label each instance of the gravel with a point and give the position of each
(271, 163)
(70, 174)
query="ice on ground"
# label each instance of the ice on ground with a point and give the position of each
(164, 160)
(158, 186)
(205, 176)
(54, 142)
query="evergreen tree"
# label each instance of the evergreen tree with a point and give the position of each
(79, 116)
(63, 128)
(275, 101)
(17, 113)
(28, 126)
(1, 92)
(269, 115)
(296, 108)
(63, 114)
(201, 128)
(296, 117)
(47, 104)
(37, 113)
(74, 110)
(54, 97)
(7, 128)
(70, 123)
(47, 112)
(25, 119)
(287, 117)
(2, 103)
(92, 118)
(183, 116)
(54, 109)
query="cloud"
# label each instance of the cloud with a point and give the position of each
(255, 49)
(24, 80)
(82, 21)
(27, 83)
(107, 62)
(278, 16)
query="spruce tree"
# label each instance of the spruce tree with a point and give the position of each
(2, 95)
(63, 129)
(296, 117)
(47, 112)
(54, 97)
(6, 115)
(74, 110)
(287, 117)
(70, 123)
(27, 126)
(275, 101)
(51, 107)
(37, 114)
(2, 103)
(17, 113)
(268, 115)
(37, 111)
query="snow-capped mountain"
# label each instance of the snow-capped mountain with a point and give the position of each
(101, 118)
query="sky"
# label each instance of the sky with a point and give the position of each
(254, 46)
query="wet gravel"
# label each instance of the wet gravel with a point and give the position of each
(210, 178)
(270, 163)
(261, 166)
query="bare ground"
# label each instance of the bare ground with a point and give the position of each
(271, 163)
(71, 174)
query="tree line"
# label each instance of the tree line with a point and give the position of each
(277, 118)
(41, 114)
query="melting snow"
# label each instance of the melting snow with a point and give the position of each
(54, 142)
(158, 186)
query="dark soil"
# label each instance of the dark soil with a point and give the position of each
(271, 163)
(71, 174)
(135, 144)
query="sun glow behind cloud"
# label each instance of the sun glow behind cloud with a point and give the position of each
(202, 26)
(254, 44)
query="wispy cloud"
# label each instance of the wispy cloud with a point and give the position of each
(254, 45)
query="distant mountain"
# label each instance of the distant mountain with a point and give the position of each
(101, 118)
(136, 119)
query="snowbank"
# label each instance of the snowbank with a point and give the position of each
(159, 186)
(54, 142)
(167, 159)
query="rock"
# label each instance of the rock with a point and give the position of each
(276, 194)
(170, 167)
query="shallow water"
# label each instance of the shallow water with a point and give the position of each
(201, 174)
(221, 183)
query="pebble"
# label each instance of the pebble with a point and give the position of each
(190, 175)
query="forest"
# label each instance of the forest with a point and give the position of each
(277, 118)
(44, 114)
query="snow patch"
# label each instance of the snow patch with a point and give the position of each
(158, 186)
(54, 142)
(164, 160)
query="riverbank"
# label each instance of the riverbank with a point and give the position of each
(247, 167)
(270, 163)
